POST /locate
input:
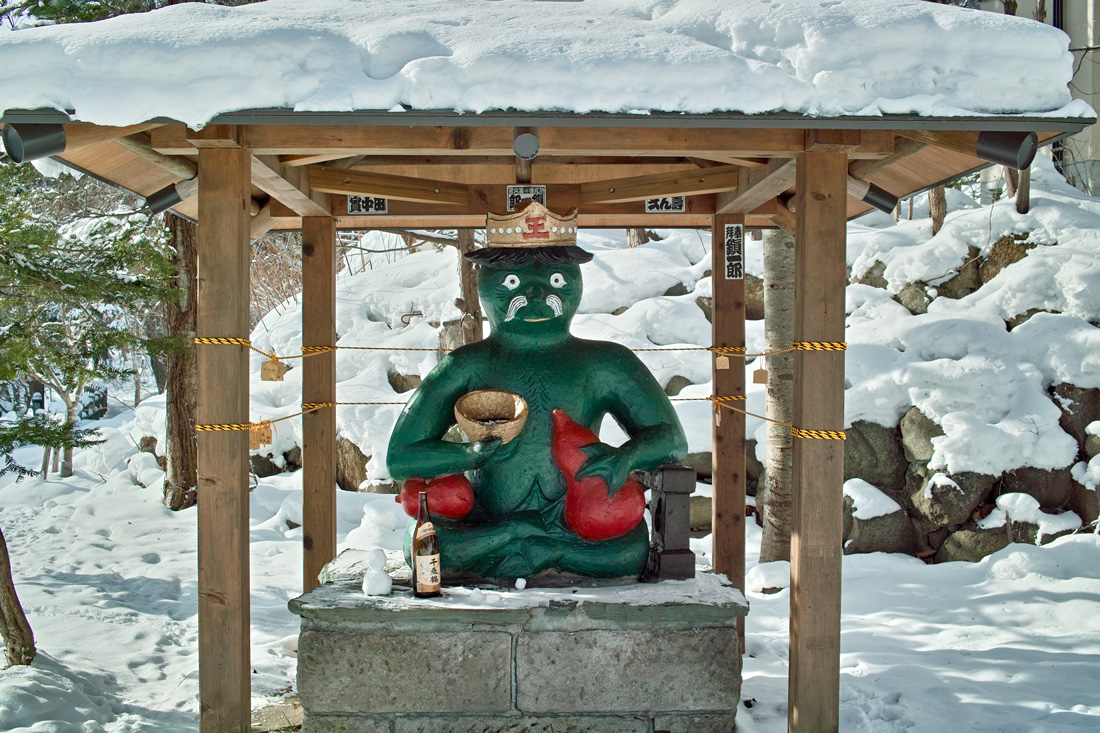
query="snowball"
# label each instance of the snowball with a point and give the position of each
(521, 583)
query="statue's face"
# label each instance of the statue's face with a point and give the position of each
(530, 299)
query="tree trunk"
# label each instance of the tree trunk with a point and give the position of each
(16, 632)
(937, 207)
(1023, 192)
(1012, 182)
(181, 382)
(775, 507)
(45, 470)
(469, 302)
(72, 410)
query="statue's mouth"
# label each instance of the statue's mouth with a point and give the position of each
(520, 301)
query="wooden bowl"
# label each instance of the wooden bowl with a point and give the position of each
(491, 413)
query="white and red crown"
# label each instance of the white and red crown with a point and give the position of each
(534, 226)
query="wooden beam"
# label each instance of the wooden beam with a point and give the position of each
(757, 186)
(401, 188)
(782, 217)
(846, 140)
(711, 143)
(728, 474)
(903, 148)
(80, 134)
(288, 185)
(818, 470)
(140, 146)
(318, 385)
(296, 161)
(639, 188)
(223, 574)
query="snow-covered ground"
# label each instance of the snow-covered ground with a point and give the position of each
(1012, 643)
(107, 577)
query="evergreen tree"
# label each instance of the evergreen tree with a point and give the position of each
(66, 287)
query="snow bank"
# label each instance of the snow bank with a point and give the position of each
(1016, 507)
(193, 61)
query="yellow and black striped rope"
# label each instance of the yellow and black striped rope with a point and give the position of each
(819, 346)
(226, 426)
(819, 434)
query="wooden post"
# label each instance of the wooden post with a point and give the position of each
(817, 515)
(728, 475)
(318, 385)
(225, 699)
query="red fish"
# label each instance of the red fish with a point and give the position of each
(588, 510)
(448, 496)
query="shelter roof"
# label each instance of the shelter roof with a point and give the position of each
(631, 98)
(862, 58)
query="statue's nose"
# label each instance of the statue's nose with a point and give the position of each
(536, 292)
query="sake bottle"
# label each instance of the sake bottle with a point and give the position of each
(425, 554)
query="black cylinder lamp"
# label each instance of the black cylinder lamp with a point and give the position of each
(30, 142)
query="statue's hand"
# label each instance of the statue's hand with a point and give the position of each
(609, 463)
(491, 450)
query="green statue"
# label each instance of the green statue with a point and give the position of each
(554, 497)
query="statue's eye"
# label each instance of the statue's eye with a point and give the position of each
(557, 280)
(511, 282)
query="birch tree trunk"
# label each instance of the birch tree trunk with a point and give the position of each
(774, 502)
(181, 380)
(16, 632)
(72, 409)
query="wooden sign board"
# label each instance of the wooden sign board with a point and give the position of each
(666, 204)
(733, 243)
(368, 205)
(516, 194)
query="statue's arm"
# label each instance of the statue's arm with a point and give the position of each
(642, 408)
(416, 448)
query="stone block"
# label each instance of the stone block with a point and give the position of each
(873, 453)
(893, 532)
(1052, 489)
(917, 431)
(338, 672)
(346, 724)
(971, 543)
(1086, 502)
(948, 501)
(723, 723)
(523, 724)
(629, 671)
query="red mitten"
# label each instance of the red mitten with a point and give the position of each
(448, 496)
(588, 510)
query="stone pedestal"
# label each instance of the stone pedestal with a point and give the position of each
(638, 658)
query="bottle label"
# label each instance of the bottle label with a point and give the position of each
(424, 530)
(427, 573)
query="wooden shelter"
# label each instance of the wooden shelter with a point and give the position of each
(249, 172)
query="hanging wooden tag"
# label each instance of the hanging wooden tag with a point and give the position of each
(722, 362)
(760, 376)
(272, 370)
(259, 436)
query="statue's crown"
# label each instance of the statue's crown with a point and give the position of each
(534, 226)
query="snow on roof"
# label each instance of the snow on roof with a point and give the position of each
(193, 61)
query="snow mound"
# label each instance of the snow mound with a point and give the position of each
(193, 61)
